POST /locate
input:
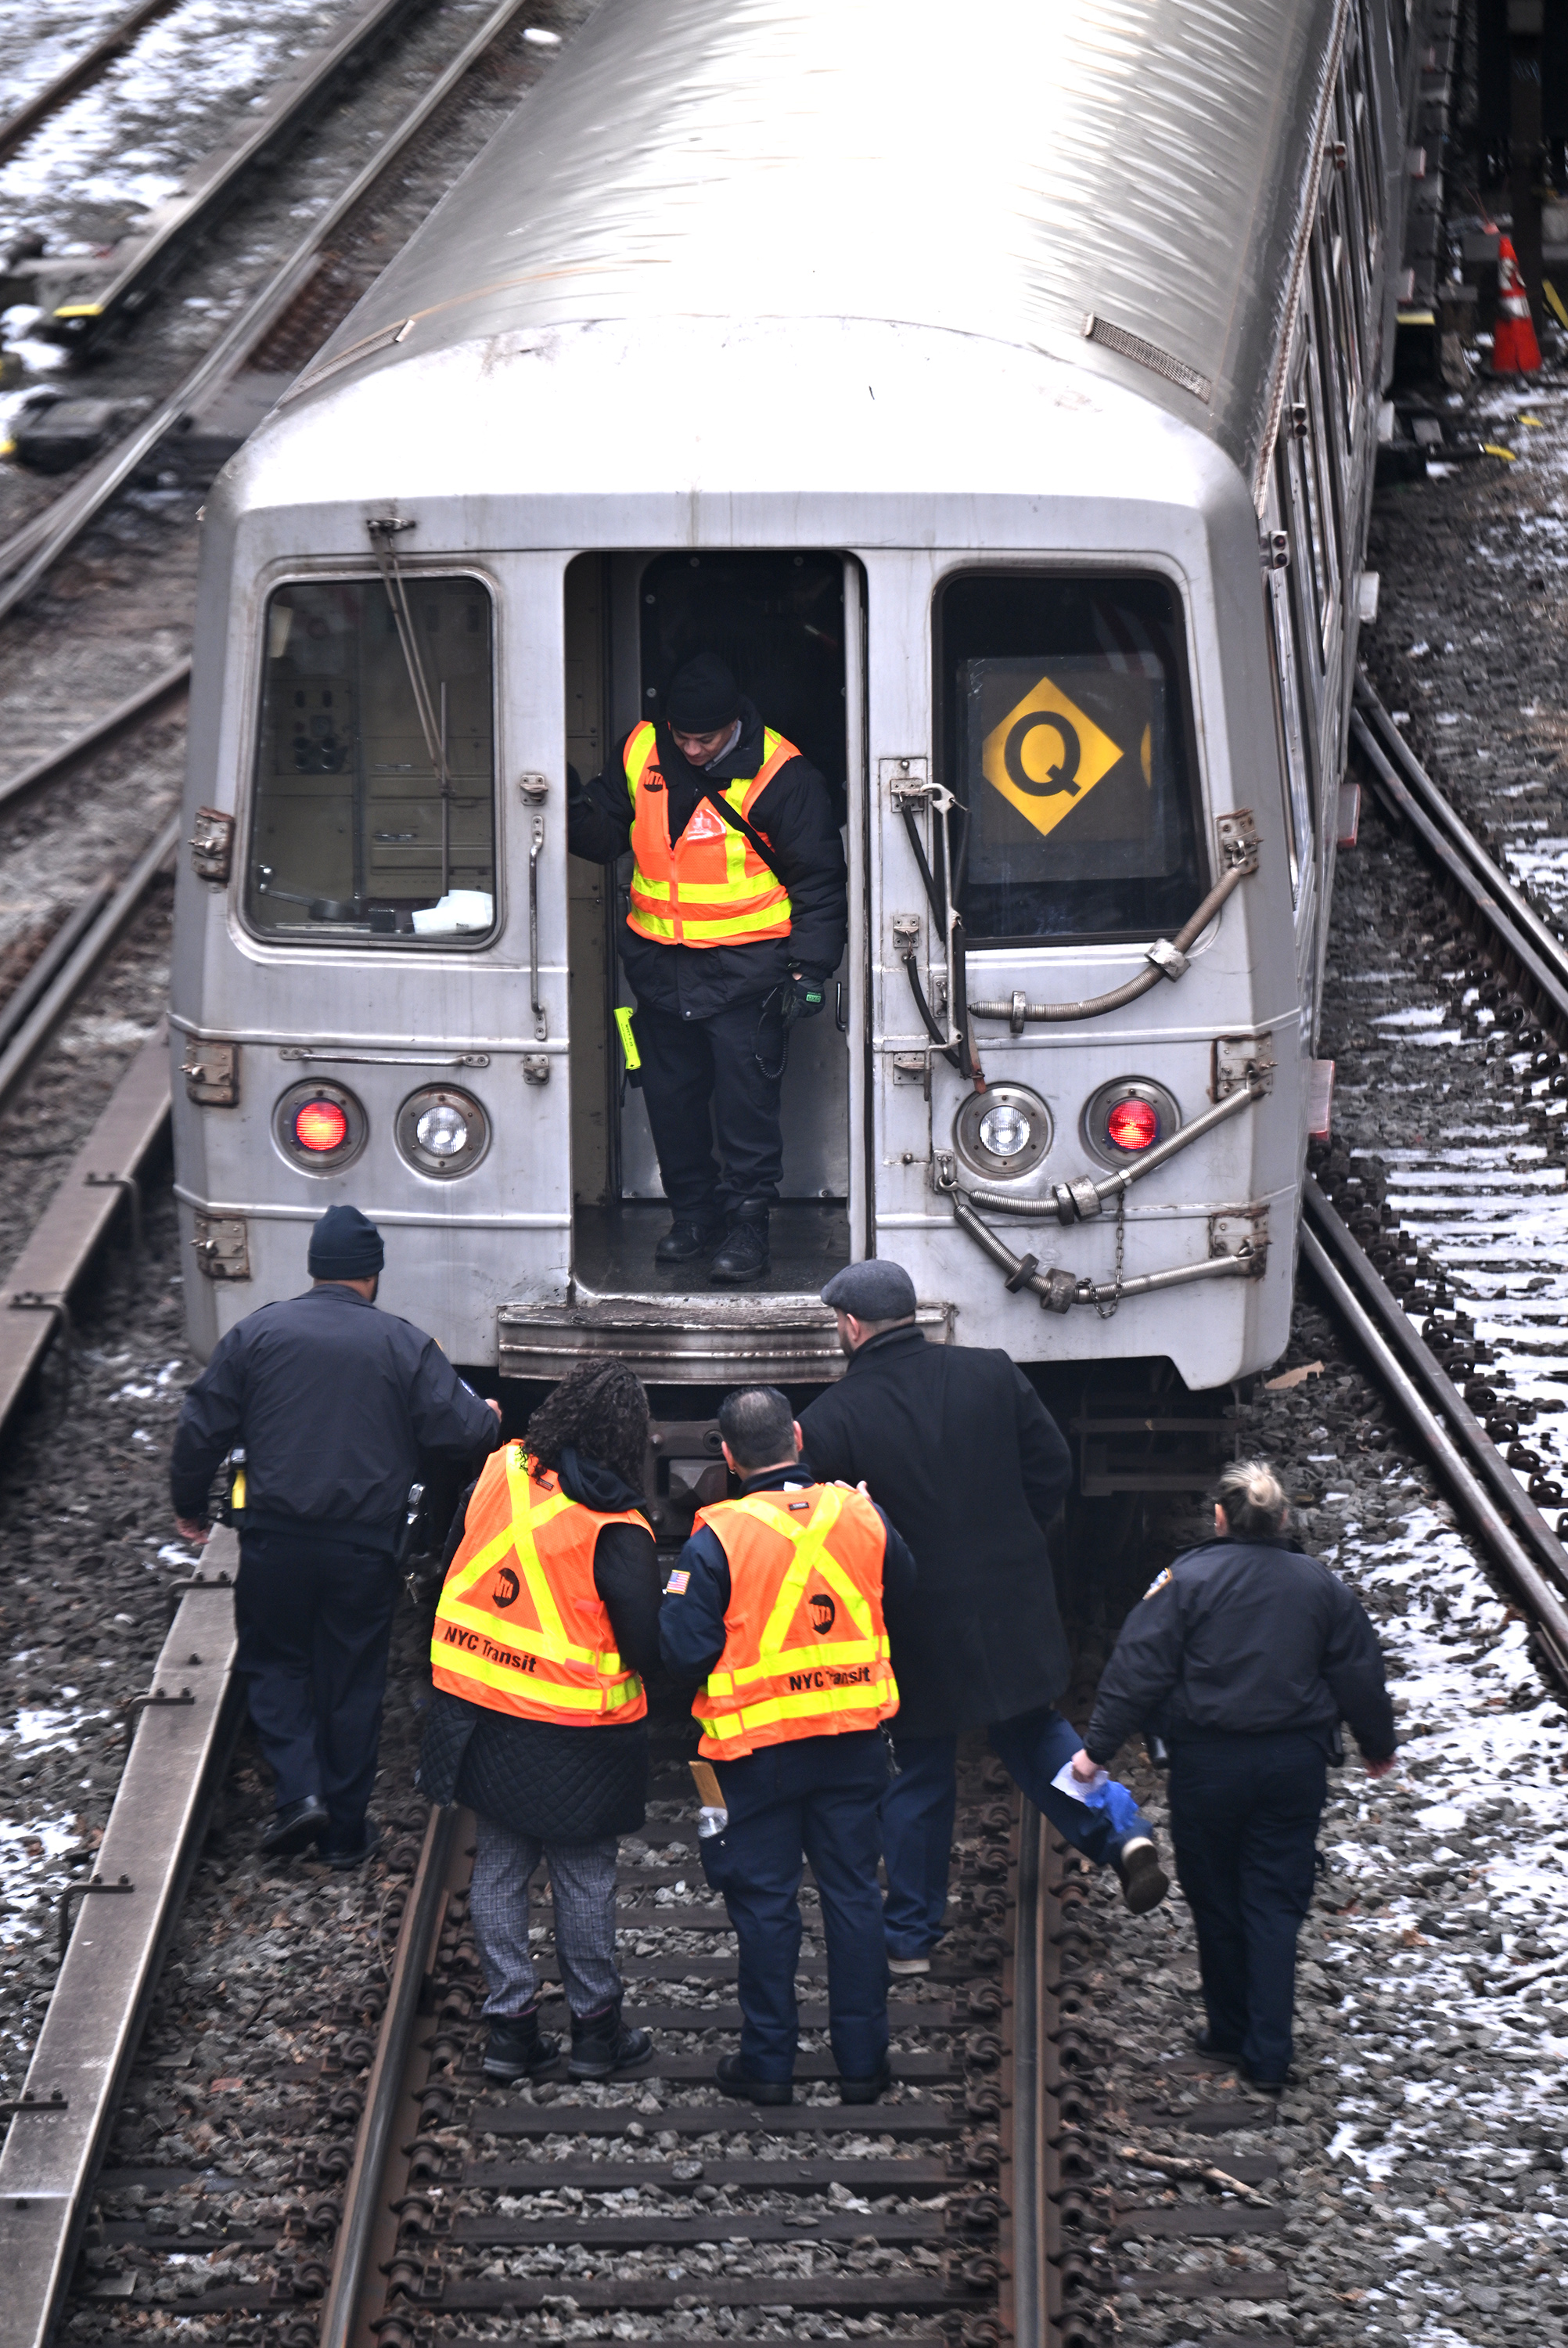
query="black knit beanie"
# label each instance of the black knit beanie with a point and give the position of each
(702, 696)
(345, 1245)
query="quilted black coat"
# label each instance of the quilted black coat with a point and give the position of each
(537, 1777)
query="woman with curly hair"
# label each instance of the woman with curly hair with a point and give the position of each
(547, 1617)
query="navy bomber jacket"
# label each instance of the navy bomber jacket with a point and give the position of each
(334, 1401)
(1244, 1638)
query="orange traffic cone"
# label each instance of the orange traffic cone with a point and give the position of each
(1514, 349)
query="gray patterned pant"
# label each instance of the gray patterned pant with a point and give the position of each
(582, 1878)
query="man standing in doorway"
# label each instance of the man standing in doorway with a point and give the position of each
(738, 917)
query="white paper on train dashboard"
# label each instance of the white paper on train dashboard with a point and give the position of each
(1080, 1788)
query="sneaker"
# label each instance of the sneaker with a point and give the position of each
(295, 1828)
(756, 2091)
(1144, 1883)
(744, 1257)
(908, 1964)
(518, 2048)
(866, 2091)
(690, 1236)
(602, 2044)
(343, 1851)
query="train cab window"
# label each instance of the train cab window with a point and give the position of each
(1067, 735)
(373, 817)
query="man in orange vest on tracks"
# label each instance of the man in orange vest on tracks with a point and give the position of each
(738, 918)
(776, 1607)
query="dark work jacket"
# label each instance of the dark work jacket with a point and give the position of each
(954, 1443)
(1244, 1638)
(691, 1638)
(333, 1402)
(794, 814)
(541, 1778)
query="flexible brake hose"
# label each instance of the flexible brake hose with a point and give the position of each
(1017, 1010)
(962, 1055)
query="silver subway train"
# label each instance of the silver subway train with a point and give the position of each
(997, 392)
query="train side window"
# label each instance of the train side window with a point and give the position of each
(1065, 728)
(1318, 469)
(367, 825)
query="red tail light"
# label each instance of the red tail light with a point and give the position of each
(1133, 1125)
(320, 1125)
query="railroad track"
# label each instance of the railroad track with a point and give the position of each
(298, 304)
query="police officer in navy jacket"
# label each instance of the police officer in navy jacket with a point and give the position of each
(1245, 1657)
(333, 1403)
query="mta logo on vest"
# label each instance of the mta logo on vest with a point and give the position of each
(507, 1588)
(824, 1612)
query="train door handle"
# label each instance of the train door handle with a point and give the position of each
(840, 1008)
(541, 1022)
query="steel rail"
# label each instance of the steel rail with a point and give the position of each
(36, 1294)
(76, 76)
(46, 1014)
(1034, 2119)
(55, 2143)
(1486, 1493)
(379, 2122)
(29, 989)
(1488, 870)
(1498, 901)
(213, 184)
(98, 734)
(31, 552)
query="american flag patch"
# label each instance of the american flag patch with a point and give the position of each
(676, 1584)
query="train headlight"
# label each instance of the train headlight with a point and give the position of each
(1004, 1130)
(441, 1132)
(319, 1127)
(1123, 1119)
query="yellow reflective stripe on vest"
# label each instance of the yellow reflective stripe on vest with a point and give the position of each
(492, 1671)
(638, 750)
(772, 1708)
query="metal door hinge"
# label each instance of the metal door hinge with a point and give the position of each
(907, 781)
(211, 844)
(1238, 839)
(534, 788)
(912, 1068)
(223, 1247)
(536, 1067)
(1237, 1061)
(1242, 1234)
(211, 1072)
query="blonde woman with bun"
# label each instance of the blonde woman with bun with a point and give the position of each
(1245, 1655)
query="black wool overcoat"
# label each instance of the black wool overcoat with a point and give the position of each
(954, 1443)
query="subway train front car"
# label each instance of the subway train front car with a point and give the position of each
(1001, 409)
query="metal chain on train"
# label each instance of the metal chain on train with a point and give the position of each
(1107, 1312)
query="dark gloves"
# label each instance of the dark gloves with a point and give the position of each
(804, 997)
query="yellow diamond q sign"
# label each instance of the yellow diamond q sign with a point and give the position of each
(1046, 755)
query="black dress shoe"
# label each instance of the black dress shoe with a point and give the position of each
(743, 1258)
(866, 2091)
(756, 2091)
(1268, 2086)
(351, 1850)
(1207, 2044)
(688, 1237)
(295, 1828)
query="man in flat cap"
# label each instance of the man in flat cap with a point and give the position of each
(332, 1403)
(955, 1446)
(738, 917)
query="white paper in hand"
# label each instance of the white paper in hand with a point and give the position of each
(1064, 1782)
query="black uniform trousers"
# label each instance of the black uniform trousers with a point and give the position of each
(815, 1797)
(702, 1081)
(1244, 1812)
(313, 1615)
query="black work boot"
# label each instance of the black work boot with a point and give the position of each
(600, 2043)
(1144, 1883)
(743, 1258)
(295, 1826)
(730, 2074)
(690, 1236)
(518, 2048)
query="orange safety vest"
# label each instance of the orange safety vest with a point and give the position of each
(805, 1648)
(711, 888)
(521, 1627)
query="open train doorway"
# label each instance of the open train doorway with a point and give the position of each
(789, 625)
